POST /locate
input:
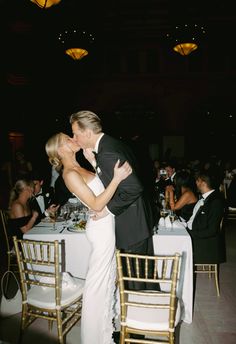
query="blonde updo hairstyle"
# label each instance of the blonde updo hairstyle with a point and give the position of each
(52, 147)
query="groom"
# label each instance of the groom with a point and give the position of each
(134, 220)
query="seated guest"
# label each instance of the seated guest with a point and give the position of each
(43, 200)
(183, 198)
(159, 187)
(21, 217)
(170, 168)
(231, 193)
(204, 226)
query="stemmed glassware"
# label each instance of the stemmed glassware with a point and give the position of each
(76, 215)
(172, 217)
(53, 216)
(164, 212)
(65, 213)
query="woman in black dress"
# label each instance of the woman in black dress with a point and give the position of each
(21, 217)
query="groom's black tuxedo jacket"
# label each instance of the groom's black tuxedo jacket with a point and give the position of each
(132, 209)
(207, 236)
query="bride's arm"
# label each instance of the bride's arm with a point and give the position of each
(77, 186)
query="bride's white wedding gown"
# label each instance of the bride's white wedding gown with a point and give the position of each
(98, 296)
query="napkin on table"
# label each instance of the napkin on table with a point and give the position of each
(161, 222)
(179, 224)
(168, 222)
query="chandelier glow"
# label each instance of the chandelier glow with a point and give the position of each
(185, 38)
(45, 3)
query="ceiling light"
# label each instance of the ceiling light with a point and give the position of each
(45, 3)
(186, 38)
(76, 42)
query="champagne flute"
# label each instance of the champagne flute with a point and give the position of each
(172, 217)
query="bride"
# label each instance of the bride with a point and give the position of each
(98, 295)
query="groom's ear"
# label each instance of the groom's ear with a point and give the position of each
(88, 133)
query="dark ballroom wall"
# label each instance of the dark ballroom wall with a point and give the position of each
(131, 78)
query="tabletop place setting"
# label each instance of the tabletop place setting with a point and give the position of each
(72, 217)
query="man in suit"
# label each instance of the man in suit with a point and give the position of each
(170, 168)
(205, 224)
(43, 198)
(134, 219)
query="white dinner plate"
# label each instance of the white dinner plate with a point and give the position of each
(48, 220)
(47, 223)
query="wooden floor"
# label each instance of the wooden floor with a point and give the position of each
(214, 319)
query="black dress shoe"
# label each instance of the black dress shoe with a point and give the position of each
(116, 337)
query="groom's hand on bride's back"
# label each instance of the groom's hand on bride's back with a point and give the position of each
(122, 171)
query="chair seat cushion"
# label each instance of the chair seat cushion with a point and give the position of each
(150, 318)
(44, 297)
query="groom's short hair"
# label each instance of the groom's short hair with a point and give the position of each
(87, 119)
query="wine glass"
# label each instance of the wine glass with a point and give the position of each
(53, 217)
(172, 217)
(65, 213)
(164, 212)
(76, 213)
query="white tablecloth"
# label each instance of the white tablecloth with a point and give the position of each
(78, 250)
(170, 242)
(77, 247)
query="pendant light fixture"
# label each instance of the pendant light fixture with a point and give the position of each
(45, 3)
(76, 42)
(186, 38)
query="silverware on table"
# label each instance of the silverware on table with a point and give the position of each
(64, 227)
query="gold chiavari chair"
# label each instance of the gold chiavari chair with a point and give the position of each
(44, 294)
(11, 255)
(151, 313)
(210, 268)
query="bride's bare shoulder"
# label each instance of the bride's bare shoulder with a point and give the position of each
(86, 175)
(81, 172)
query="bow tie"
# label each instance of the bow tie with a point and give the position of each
(40, 194)
(95, 154)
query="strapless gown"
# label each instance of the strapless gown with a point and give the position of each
(99, 291)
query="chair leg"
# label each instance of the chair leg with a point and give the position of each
(209, 269)
(122, 335)
(217, 279)
(50, 325)
(172, 338)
